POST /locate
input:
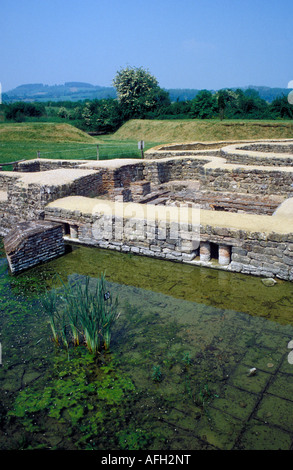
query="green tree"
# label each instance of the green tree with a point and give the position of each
(241, 104)
(87, 114)
(280, 107)
(138, 92)
(20, 110)
(204, 105)
(62, 113)
(223, 98)
(107, 116)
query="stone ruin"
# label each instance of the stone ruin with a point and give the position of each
(224, 205)
(33, 242)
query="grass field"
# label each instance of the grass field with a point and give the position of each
(64, 141)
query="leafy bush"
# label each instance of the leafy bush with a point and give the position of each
(20, 110)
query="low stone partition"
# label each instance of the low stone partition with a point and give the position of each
(158, 231)
(7, 178)
(264, 180)
(251, 244)
(259, 245)
(43, 164)
(271, 147)
(32, 243)
(212, 148)
(260, 153)
(220, 200)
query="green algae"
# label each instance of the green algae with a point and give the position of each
(78, 393)
(134, 439)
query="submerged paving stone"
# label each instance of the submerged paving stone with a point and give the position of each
(265, 360)
(261, 436)
(254, 383)
(282, 386)
(236, 402)
(274, 340)
(219, 429)
(276, 411)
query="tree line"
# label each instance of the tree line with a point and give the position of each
(139, 96)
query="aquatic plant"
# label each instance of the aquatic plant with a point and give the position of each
(49, 303)
(86, 311)
(204, 395)
(73, 320)
(157, 374)
(186, 359)
(76, 397)
(63, 330)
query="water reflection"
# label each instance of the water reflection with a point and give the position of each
(208, 286)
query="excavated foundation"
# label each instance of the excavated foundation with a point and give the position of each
(222, 205)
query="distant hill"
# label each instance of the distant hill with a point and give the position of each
(75, 91)
(70, 91)
(266, 93)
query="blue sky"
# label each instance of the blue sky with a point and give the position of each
(185, 43)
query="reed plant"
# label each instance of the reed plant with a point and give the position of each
(87, 312)
(49, 303)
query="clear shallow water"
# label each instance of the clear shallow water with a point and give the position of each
(198, 331)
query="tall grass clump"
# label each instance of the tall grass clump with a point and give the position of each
(49, 303)
(80, 313)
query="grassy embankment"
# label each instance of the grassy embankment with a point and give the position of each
(204, 130)
(23, 141)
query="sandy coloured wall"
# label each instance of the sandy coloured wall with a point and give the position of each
(259, 245)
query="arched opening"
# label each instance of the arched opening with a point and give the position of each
(214, 251)
(66, 229)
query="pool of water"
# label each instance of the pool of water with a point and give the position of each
(177, 373)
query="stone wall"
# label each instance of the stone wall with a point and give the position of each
(26, 199)
(229, 202)
(200, 241)
(269, 258)
(134, 228)
(259, 153)
(221, 176)
(31, 243)
(251, 180)
(43, 164)
(7, 178)
(271, 147)
(257, 253)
